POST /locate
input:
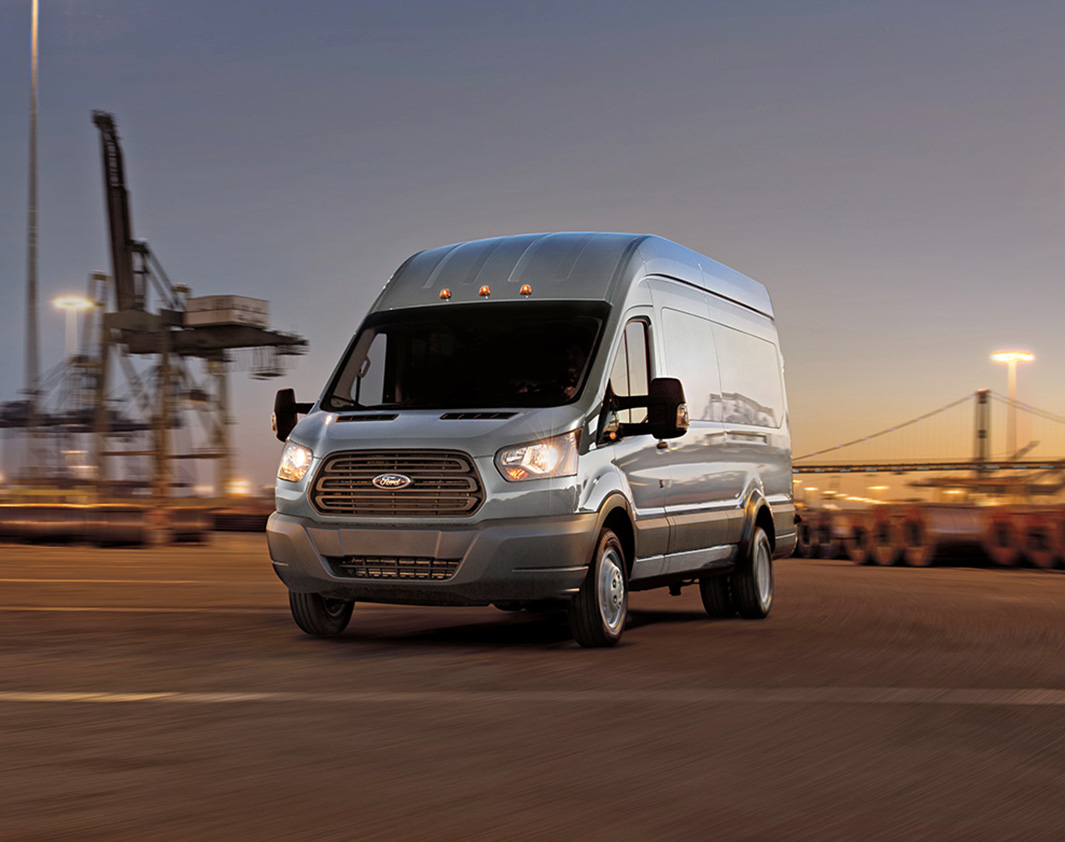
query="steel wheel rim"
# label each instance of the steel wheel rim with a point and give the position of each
(763, 573)
(333, 607)
(611, 590)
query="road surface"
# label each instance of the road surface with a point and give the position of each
(166, 694)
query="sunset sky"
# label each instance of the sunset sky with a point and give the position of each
(894, 173)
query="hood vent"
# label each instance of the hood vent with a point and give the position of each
(465, 416)
(342, 418)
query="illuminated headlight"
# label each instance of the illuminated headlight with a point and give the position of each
(553, 457)
(295, 460)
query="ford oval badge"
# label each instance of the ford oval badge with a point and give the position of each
(391, 482)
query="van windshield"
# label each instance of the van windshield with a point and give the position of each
(475, 356)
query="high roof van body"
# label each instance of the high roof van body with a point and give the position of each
(537, 421)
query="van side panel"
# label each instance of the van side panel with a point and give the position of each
(704, 498)
(738, 443)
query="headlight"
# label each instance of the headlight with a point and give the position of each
(553, 457)
(295, 461)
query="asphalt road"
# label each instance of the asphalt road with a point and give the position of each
(167, 694)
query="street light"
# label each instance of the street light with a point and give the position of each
(1011, 358)
(72, 304)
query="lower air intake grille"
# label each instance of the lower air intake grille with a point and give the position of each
(400, 567)
(410, 483)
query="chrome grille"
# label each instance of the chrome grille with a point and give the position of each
(394, 567)
(442, 484)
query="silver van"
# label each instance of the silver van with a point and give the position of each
(540, 421)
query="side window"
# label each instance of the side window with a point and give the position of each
(750, 375)
(691, 356)
(632, 366)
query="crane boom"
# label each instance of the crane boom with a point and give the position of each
(128, 284)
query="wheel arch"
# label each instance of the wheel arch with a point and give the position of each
(616, 516)
(757, 513)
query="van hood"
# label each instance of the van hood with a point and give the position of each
(478, 433)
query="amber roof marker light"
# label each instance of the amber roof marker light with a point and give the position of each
(525, 290)
(485, 291)
(445, 295)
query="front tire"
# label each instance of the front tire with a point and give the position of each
(318, 615)
(598, 611)
(752, 581)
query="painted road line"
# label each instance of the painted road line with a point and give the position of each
(233, 582)
(961, 696)
(108, 609)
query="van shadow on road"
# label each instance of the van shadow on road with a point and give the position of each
(497, 630)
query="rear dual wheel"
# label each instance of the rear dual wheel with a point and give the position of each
(748, 589)
(752, 580)
(716, 593)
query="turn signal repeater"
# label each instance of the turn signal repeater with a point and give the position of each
(525, 290)
(485, 291)
(445, 295)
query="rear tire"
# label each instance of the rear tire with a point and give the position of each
(597, 613)
(716, 592)
(752, 581)
(318, 615)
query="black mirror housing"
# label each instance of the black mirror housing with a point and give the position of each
(667, 410)
(286, 412)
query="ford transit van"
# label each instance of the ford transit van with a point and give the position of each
(538, 421)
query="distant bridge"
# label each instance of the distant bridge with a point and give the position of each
(900, 467)
(894, 451)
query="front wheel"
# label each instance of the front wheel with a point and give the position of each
(597, 613)
(752, 581)
(319, 615)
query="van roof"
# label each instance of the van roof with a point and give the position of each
(560, 266)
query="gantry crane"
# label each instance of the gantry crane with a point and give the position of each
(178, 330)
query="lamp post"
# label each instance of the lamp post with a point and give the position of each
(1011, 358)
(72, 304)
(32, 372)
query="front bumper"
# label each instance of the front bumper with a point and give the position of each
(522, 560)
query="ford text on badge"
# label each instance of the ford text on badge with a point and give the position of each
(391, 482)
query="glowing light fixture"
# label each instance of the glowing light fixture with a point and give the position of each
(239, 487)
(295, 462)
(525, 290)
(1011, 358)
(445, 295)
(72, 305)
(72, 302)
(553, 457)
(485, 291)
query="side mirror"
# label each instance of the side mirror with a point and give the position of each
(286, 410)
(667, 411)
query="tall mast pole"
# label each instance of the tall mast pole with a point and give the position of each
(32, 369)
